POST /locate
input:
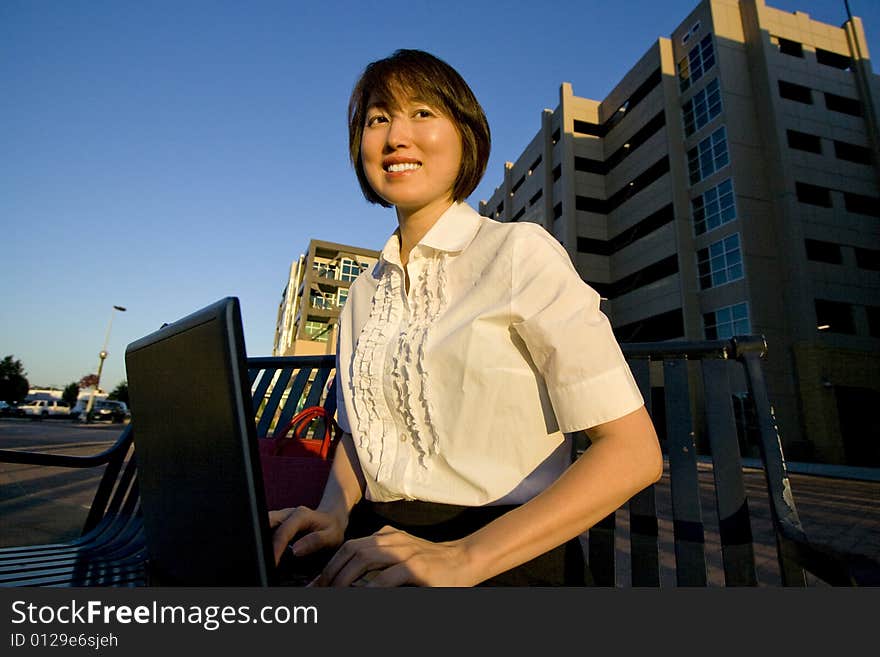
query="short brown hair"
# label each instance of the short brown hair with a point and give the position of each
(422, 75)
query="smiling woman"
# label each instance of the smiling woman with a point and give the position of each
(411, 156)
(423, 83)
(464, 358)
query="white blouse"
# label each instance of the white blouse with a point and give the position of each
(459, 392)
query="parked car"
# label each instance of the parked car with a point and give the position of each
(107, 410)
(40, 408)
(5, 409)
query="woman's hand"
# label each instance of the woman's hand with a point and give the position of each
(391, 557)
(324, 527)
(322, 530)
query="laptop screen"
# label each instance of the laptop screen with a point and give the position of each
(204, 509)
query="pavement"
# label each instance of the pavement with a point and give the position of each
(837, 505)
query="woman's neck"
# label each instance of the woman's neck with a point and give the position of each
(416, 224)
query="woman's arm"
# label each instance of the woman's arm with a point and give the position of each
(326, 524)
(624, 458)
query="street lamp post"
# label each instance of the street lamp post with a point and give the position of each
(102, 356)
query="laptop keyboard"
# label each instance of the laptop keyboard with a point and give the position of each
(299, 571)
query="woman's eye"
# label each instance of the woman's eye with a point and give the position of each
(424, 113)
(373, 120)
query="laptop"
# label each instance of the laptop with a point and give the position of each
(201, 486)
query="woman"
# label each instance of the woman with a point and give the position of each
(463, 357)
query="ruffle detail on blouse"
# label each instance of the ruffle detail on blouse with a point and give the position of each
(375, 425)
(410, 380)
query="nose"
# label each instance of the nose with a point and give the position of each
(399, 133)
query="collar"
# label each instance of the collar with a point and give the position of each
(453, 231)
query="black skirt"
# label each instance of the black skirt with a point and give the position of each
(562, 566)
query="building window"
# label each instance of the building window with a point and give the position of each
(803, 141)
(868, 258)
(861, 204)
(586, 128)
(557, 172)
(557, 210)
(727, 322)
(322, 301)
(699, 60)
(536, 197)
(646, 226)
(325, 269)
(708, 156)
(834, 317)
(720, 263)
(820, 251)
(852, 153)
(587, 165)
(535, 165)
(351, 269)
(317, 331)
(843, 104)
(714, 207)
(795, 92)
(519, 214)
(665, 326)
(341, 296)
(687, 36)
(828, 58)
(813, 194)
(788, 47)
(519, 182)
(703, 106)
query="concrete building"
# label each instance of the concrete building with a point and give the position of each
(316, 290)
(729, 185)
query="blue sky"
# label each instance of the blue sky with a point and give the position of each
(161, 155)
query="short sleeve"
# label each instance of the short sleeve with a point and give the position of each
(570, 340)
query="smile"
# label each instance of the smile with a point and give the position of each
(403, 166)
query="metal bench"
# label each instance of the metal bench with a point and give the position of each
(714, 393)
(707, 394)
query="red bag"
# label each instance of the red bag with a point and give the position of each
(295, 468)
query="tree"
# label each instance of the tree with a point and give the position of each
(88, 381)
(71, 393)
(14, 385)
(120, 392)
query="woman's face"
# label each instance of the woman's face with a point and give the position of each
(411, 155)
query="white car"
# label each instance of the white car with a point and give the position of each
(43, 408)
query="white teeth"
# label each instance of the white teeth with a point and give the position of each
(405, 166)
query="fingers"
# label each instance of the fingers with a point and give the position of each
(396, 575)
(287, 523)
(318, 530)
(314, 541)
(277, 517)
(367, 561)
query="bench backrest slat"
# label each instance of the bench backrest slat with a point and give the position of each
(112, 490)
(643, 526)
(294, 396)
(316, 389)
(259, 391)
(734, 526)
(601, 552)
(279, 384)
(687, 518)
(785, 517)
